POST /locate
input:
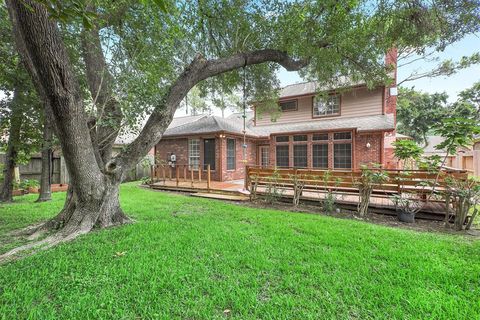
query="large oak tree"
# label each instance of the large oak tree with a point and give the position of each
(142, 59)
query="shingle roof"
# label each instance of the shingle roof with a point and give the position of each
(366, 123)
(211, 124)
(128, 137)
(313, 87)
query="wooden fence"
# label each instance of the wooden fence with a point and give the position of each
(348, 182)
(180, 174)
(33, 169)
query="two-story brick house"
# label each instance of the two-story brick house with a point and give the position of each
(340, 130)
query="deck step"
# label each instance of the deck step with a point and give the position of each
(231, 197)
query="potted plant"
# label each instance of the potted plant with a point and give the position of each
(407, 205)
(30, 185)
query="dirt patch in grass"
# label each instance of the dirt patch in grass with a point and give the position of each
(380, 219)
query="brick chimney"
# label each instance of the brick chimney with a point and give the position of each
(390, 107)
(391, 100)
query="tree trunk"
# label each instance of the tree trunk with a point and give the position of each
(47, 157)
(94, 199)
(6, 193)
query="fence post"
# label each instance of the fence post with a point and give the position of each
(176, 174)
(208, 177)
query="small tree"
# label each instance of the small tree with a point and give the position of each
(457, 132)
(368, 180)
(273, 192)
(466, 196)
(330, 185)
(407, 151)
(298, 185)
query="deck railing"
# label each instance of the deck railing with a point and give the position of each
(180, 173)
(347, 182)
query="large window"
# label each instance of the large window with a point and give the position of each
(320, 156)
(231, 154)
(194, 153)
(290, 105)
(300, 156)
(209, 154)
(326, 106)
(342, 156)
(282, 156)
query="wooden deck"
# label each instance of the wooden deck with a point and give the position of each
(185, 179)
(199, 186)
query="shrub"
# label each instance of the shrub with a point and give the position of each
(29, 183)
(273, 191)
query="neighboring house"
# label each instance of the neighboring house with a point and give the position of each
(340, 131)
(464, 159)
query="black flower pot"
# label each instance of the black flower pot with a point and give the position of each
(405, 216)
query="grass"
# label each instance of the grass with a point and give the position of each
(193, 258)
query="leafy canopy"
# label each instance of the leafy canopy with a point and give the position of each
(149, 43)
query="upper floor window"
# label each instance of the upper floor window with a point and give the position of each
(326, 106)
(290, 105)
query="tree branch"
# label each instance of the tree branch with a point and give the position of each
(198, 70)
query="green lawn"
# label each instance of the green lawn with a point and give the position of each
(193, 258)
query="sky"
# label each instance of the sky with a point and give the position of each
(452, 85)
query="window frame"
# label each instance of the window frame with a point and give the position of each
(234, 157)
(190, 156)
(286, 101)
(288, 155)
(325, 143)
(337, 114)
(300, 136)
(276, 139)
(344, 142)
(295, 146)
(320, 140)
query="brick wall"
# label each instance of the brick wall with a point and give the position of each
(179, 146)
(365, 155)
(239, 172)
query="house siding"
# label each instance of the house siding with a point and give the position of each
(357, 102)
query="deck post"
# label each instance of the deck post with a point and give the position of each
(164, 175)
(152, 170)
(169, 172)
(191, 174)
(247, 178)
(177, 174)
(185, 172)
(200, 173)
(208, 177)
